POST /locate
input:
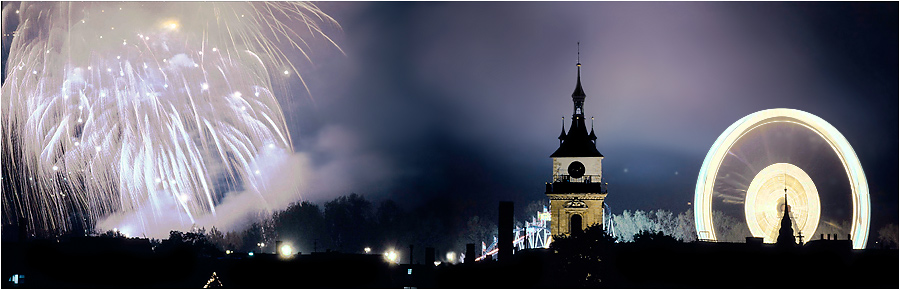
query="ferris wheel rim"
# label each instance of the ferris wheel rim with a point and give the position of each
(708, 171)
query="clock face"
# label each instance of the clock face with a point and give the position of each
(576, 169)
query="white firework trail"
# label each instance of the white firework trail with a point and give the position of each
(112, 107)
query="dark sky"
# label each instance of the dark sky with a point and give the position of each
(462, 101)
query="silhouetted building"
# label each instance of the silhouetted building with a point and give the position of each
(786, 233)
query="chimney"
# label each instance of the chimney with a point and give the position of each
(504, 232)
(470, 254)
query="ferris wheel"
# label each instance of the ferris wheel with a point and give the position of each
(774, 158)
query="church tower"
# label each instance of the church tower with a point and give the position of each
(577, 192)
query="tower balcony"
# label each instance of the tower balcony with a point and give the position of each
(568, 184)
(582, 179)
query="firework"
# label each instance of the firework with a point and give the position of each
(152, 108)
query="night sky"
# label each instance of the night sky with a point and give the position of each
(462, 101)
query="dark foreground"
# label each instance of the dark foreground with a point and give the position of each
(100, 262)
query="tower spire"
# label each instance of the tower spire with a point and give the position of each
(578, 95)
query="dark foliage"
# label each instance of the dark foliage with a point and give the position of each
(584, 257)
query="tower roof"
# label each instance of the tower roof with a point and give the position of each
(578, 143)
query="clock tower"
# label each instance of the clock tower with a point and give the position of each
(577, 191)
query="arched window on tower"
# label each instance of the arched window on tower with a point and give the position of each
(575, 224)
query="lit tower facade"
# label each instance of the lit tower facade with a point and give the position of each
(577, 192)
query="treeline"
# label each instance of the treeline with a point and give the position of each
(351, 223)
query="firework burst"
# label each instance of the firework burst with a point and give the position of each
(135, 107)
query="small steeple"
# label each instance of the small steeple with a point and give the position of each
(562, 135)
(786, 232)
(592, 135)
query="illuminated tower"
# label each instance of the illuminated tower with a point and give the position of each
(576, 193)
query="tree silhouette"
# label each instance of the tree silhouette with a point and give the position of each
(584, 256)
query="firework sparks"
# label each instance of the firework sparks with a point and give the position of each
(178, 111)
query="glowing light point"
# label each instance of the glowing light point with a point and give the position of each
(286, 72)
(77, 143)
(204, 86)
(55, 168)
(34, 72)
(367, 250)
(391, 256)
(286, 250)
(257, 172)
(97, 148)
(80, 120)
(158, 180)
(118, 57)
(215, 49)
(250, 254)
(89, 67)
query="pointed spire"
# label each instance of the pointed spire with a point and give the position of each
(786, 232)
(562, 135)
(592, 135)
(579, 92)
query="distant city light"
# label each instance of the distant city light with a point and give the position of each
(286, 251)
(451, 256)
(250, 254)
(228, 252)
(391, 256)
(437, 263)
(367, 250)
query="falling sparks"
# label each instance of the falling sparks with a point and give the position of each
(188, 145)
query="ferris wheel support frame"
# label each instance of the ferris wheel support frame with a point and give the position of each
(713, 161)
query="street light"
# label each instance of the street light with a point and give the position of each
(391, 256)
(451, 257)
(286, 251)
(368, 250)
